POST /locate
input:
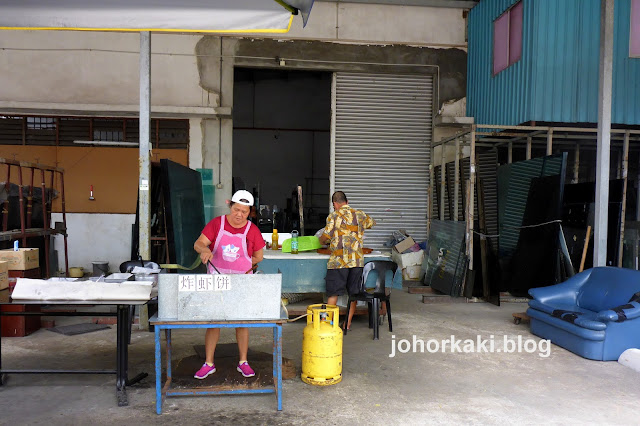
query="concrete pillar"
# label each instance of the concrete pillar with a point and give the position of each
(604, 133)
(144, 208)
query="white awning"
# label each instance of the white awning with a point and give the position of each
(206, 16)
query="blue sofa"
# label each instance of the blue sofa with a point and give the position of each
(595, 314)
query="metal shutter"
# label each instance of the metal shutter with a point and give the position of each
(381, 148)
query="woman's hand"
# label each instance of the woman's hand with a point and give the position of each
(201, 246)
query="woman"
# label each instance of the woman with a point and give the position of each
(230, 244)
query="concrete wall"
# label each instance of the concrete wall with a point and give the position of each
(94, 237)
(79, 68)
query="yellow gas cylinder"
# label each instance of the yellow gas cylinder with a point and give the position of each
(322, 346)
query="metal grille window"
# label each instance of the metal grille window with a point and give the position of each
(41, 123)
(11, 132)
(109, 130)
(65, 131)
(73, 129)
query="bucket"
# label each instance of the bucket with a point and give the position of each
(76, 272)
(100, 267)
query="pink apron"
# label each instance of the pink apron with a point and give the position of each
(230, 255)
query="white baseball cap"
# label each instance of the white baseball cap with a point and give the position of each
(243, 197)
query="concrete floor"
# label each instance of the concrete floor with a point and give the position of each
(410, 388)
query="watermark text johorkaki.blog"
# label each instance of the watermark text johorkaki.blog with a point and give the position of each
(506, 344)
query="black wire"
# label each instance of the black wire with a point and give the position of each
(214, 267)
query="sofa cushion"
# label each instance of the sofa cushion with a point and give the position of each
(581, 319)
(549, 308)
(574, 329)
(571, 314)
(621, 313)
(607, 288)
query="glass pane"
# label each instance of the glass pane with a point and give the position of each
(515, 33)
(500, 43)
(634, 42)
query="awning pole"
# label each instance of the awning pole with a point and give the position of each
(625, 173)
(456, 180)
(576, 165)
(604, 134)
(442, 182)
(472, 184)
(144, 211)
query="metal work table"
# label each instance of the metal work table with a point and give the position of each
(304, 272)
(122, 339)
(169, 324)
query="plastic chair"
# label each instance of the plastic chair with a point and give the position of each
(377, 296)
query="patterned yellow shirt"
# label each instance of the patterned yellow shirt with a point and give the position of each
(345, 228)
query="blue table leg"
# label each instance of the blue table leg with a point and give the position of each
(168, 338)
(278, 331)
(158, 370)
(275, 358)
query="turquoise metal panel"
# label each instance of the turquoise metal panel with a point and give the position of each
(505, 97)
(556, 80)
(302, 274)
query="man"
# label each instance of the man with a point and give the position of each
(344, 229)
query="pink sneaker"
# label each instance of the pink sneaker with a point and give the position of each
(205, 371)
(246, 370)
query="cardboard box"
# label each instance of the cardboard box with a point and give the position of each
(4, 275)
(411, 273)
(407, 259)
(21, 260)
(405, 244)
(409, 263)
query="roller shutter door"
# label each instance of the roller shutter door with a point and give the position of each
(381, 149)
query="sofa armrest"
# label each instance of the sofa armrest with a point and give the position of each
(564, 293)
(620, 313)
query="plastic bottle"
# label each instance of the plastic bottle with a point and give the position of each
(274, 240)
(294, 242)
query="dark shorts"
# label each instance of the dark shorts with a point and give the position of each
(341, 280)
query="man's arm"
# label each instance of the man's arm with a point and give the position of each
(325, 238)
(201, 246)
(368, 222)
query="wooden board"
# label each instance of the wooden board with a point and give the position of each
(226, 375)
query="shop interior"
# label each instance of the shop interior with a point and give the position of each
(281, 141)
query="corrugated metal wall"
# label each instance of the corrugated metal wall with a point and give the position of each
(556, 79)
(383, 148)
(498, 99)
(514, 182)
(487, 169)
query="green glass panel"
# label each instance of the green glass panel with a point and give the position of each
(185, 211)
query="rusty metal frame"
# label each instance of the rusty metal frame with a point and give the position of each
(25, 230)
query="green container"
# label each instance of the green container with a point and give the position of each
(304, 244)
